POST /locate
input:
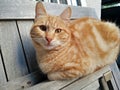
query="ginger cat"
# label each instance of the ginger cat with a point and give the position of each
(67, 49)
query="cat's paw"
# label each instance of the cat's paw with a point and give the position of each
(50, 77)
(54, 76)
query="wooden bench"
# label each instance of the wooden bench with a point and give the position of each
(18, 66)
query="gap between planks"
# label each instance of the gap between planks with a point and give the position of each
(14, 61)
(24, 27)
(116, 74)
(3, 74)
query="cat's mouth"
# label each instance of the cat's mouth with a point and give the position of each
(50, 46)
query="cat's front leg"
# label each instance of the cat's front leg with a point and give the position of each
(55, 76)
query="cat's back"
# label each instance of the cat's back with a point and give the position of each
(98, 39)
(85, 27)
(86, 22)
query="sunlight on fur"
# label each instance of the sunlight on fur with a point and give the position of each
(67, 49)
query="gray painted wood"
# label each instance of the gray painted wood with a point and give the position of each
(12, 51)
(75, 84)
(2, 73)
(93, 86)
(24, 29)
(25, 9)
(23, 82)
(114, 83)
(51, 85)
(104, 84)
(116, 74)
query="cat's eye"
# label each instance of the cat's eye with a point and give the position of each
(58, 30)
(43, 27)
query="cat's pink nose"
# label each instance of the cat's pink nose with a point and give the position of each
(48, 39)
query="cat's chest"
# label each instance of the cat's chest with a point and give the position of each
(54, 60)
(50, 63)
(63, 55)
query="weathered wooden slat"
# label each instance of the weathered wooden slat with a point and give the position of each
(51, 85)
(12, 51)
(116, 74)
(75, 84)
(26, 9)
(24, 29)
(104, 84)
(114, 83)
(2, 72)
(3, 78)
(93, 86)
(23, 82)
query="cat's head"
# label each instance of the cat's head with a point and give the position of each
(50, 31)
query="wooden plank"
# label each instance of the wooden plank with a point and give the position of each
(116, 74)
(2, 73)
(113, 82)
(56, 9)
(51, 85)
(104, 84)
(70, 84)
(23, 82)
(3, 78)
(25, 9)
(93, 86)
(83, 82)
(24, 29)
(12, 51)
(95, 4)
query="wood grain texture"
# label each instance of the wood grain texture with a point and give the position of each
(24, 29)
(75, 84)
(2, 73)
(104, 84)
(93, 86)
(114, 83)
(26, 9)
(12, 51)
(116, 74)
(23, 82)
(51, 85)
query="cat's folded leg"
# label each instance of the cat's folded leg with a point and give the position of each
(64, 75)
(54, 76)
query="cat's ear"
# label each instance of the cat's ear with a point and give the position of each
(66, 14)
(40, 10)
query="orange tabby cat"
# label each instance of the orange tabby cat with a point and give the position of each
(66, 49)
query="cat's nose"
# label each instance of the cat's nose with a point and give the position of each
(48, 39)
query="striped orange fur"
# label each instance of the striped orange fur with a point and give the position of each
(67, 49)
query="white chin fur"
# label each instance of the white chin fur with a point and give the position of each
(52, 45)
(48, 47)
